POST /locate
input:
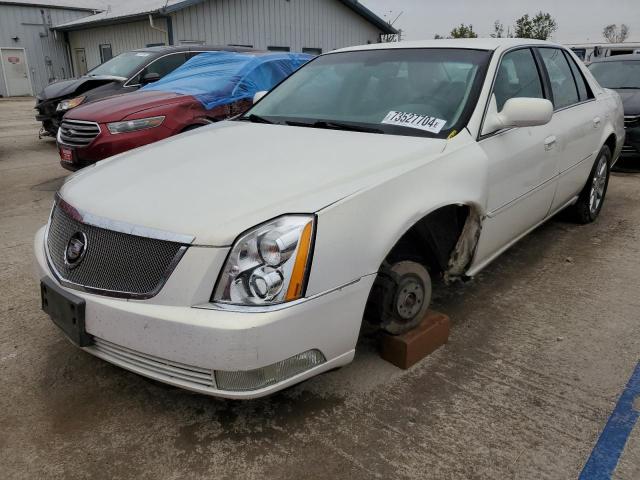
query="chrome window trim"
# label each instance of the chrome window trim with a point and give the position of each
(77, 215)
(481, 137)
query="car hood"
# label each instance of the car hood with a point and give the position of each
(118, 107)
(64, 88)
(630, 101)
(215, 182)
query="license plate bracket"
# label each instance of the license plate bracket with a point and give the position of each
(66, 310)
(66, 154)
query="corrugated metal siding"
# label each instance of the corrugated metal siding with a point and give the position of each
(122, 37)
(298, 24)
(46, 53)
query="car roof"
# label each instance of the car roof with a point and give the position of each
(195, 48)
(466, 43)
(614, 58)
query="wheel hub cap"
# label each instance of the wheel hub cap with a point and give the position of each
(598, 185)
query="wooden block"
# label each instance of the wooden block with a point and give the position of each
(409, 348)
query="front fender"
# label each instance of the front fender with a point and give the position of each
(355, 234)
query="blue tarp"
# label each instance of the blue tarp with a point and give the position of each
(219, 78)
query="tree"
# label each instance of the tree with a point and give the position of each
(437, 36)
(463, 31)
(540, 27)
(615, 35)
(498, 29)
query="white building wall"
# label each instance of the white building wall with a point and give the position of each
(298, 24)
(122, 38)
(45, 50)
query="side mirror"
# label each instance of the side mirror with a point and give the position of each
(150, 77)
(518, 112)
(258, 96)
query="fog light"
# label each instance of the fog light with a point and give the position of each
(270, 375)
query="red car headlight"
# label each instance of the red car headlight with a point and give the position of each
(135, 125)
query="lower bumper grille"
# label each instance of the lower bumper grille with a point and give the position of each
(152, 366)
(78, 133)
(630, 149)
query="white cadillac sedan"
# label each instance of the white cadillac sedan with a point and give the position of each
(241, 258)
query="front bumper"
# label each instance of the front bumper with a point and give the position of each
(169, 340)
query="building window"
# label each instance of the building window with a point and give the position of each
(154, 45)
(105, 52)
(312, 51)
(279, 49)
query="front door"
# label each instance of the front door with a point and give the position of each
(81, 62)
(16, 72)
(522, 174)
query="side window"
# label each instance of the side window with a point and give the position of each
(563, 87)
(517, 77)
(583, 89)
(162, 66)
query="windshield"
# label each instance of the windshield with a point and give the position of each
(418, 92)
(123, 65)
(617, 74)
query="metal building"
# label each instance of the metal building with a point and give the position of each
(32, 55)
(312, 26)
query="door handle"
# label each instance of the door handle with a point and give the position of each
(549, 142)
(596, 122)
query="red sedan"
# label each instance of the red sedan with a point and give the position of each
(210, 87)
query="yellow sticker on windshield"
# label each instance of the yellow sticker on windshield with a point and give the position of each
(413, 120)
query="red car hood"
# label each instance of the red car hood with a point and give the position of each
(118, 107)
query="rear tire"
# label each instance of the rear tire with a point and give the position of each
(591, 198)
(400, 296)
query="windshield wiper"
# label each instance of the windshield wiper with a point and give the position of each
(626, 88)
(331, 125)
(256, 119)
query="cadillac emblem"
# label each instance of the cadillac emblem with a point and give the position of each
(76, 248)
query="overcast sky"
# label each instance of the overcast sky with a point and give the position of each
(579, 21)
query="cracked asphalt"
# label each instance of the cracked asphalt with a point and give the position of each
(542, 344)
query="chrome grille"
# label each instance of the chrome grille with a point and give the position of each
(150, 365)
(115, 263)
(631, 121)
(77, 133)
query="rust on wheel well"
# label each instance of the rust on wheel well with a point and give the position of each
(444, 241)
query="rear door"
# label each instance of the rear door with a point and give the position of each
(576, 124)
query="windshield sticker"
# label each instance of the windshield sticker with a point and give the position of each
(142, 54)
(413, 120)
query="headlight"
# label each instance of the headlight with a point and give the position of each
(135, 125)
(70, 103)
(269, 264)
